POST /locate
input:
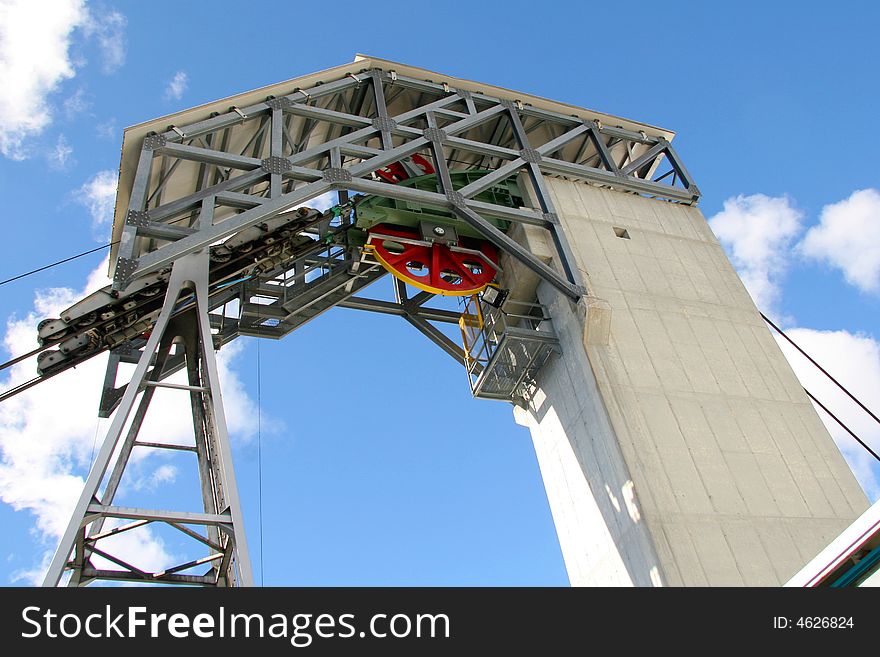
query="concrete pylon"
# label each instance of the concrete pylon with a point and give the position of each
(676, 445)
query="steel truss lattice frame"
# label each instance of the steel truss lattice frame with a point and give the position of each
(221, 520)
(197, 184)
(280, 166)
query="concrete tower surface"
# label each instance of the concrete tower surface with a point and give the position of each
(675, 443)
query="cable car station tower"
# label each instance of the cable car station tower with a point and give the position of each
(675, 443)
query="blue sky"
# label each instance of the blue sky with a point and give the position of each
(378, 467)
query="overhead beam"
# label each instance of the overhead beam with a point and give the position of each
(400, 310)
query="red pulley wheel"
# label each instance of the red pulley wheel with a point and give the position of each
(435, 268)
(396, 172)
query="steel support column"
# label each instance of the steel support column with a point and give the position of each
(228, 559)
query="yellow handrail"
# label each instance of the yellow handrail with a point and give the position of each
(471, 325)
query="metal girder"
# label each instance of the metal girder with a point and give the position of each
(437, 337)
(131, 353)
(185, 517)
(560, 241)
(209, 156)
(293, 306)
(458, 204)
(342, 118)
(487, 181)
(236, 200)
(114, 575)
(237, 115)
(167, 255)
(489, 149)
(502, 241)
(400, 309)
(228, 189)
(645, 158)
(418, 316)
(569, 120)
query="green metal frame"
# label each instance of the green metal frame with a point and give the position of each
(376, 210)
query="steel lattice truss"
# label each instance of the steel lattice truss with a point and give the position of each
(240, 174)
(200, 183)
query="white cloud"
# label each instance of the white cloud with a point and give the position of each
(108, 28)
(164, 474)
(48, 434)
(176, 86)
(76, 104)
(34, 60)
(848, 237)
(59, 156)
(321, 202)
(98, 194)
(854, 360)
(107, 129)
(142, 549)
(758, 231)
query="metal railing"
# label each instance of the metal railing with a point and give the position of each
(505, 347)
